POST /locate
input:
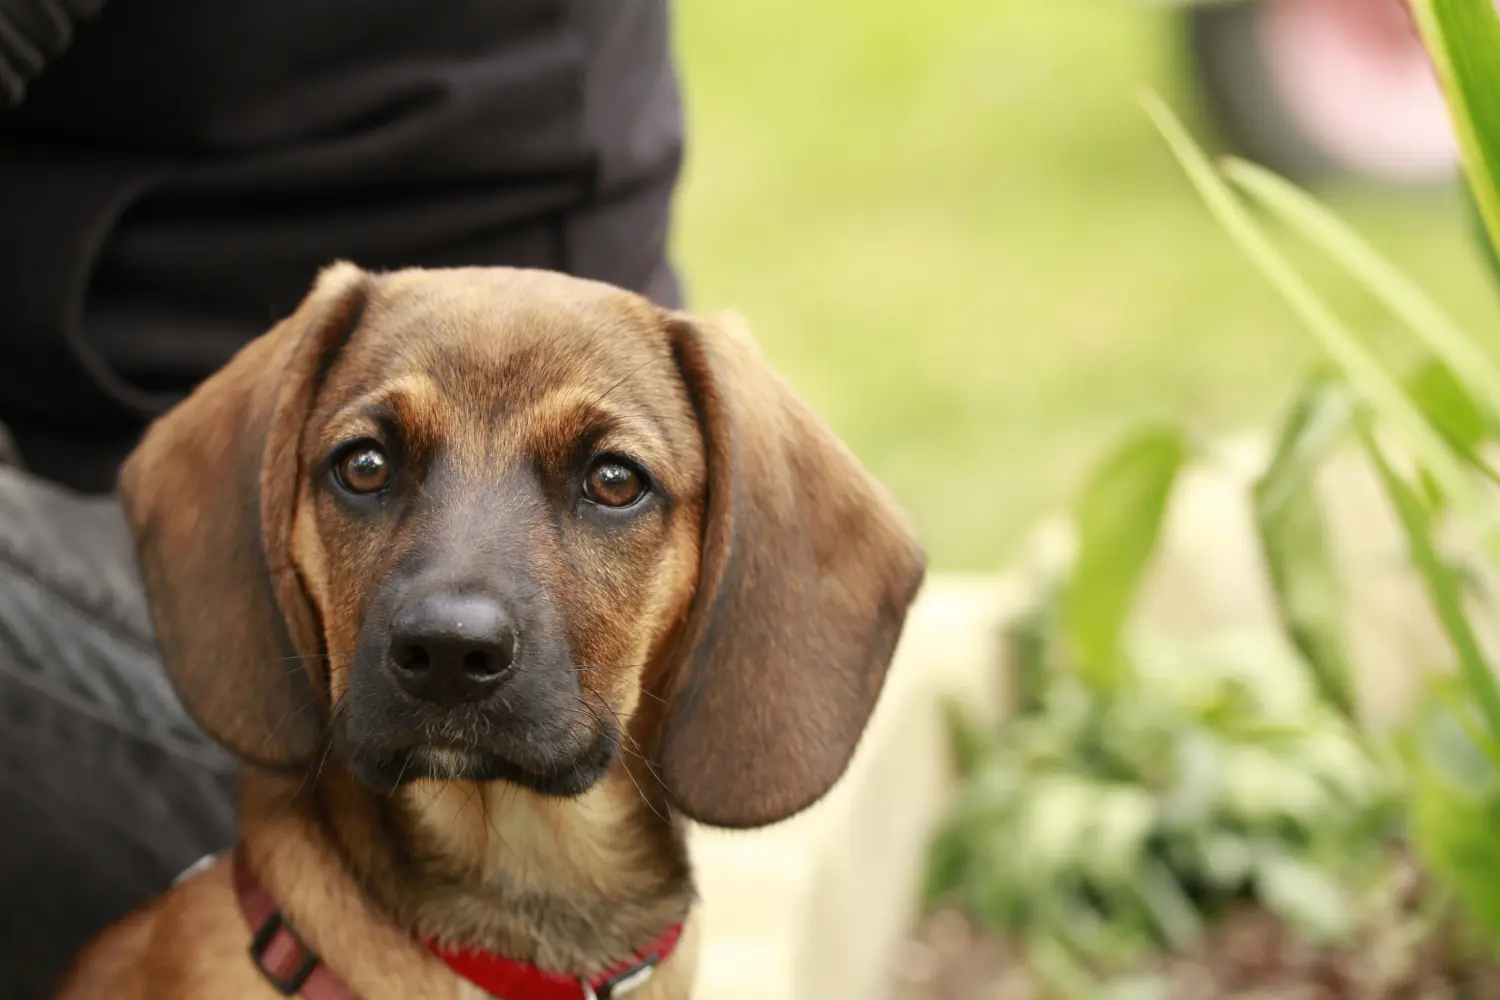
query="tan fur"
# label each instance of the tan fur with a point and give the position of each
(733, 635)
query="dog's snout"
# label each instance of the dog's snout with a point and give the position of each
(452, 648)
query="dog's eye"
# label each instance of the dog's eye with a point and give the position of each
(364, 468)
(614, 482)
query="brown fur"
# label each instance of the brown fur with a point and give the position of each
(730, 638)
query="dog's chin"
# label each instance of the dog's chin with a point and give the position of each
(565, 777)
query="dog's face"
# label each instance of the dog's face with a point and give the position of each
(476, 523)
(500, 525)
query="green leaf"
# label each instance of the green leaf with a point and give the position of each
(948, 861)
(1444, 587)
(1119, 517)
(1455, 808)
(1452, 743)
(1123, 820)
(1451, 410)
(1476, 222)
(1342, 765)
(1463, 38)
(1198, 785)
(1054, 826)
(1260, 789)
(1030, 641)
(1178, 921)
(1320, 226)
(1294, 539)
(1227, 860)
(1055, 965)
(967, 743)
(1304, 896)
(1365, 374)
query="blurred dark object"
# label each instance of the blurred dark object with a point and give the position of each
(9, 453)
(32, 34)
(1322, 90)
(170, 182)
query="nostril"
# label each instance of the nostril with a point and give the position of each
(489, 661)
(411, 657)
(477, 665)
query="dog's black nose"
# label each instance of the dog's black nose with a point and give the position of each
(452, 648)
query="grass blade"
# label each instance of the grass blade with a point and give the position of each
(1463, 39)
(1453, 413)
(1369, 380)
(1444, 587)
(1294, 540)
(1464, 356)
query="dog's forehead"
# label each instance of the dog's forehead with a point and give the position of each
(469, 351)
(503, 329)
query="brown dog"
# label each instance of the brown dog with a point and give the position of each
(494, 578)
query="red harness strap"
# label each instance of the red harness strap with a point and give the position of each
(295, 969)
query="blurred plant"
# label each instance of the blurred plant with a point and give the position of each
(1426, 435)
(1145, 786)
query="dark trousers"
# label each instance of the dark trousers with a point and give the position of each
(107, 790)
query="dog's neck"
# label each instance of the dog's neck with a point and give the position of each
(566, 884)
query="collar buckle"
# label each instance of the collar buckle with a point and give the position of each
(289, 983)
(621, 983)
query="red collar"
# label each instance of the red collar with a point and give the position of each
(501, 977)
(295, 969)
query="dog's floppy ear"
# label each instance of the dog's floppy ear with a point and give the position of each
(210, 493)
(806, 573)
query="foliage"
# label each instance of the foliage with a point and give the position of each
(1426, 437)
(1146, 786)
(1463, 39)
(1116, 822)
(1294, 539)
(1118, 517)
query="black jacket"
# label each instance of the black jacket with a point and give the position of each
(173, 172)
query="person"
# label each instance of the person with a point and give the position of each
(172, 175)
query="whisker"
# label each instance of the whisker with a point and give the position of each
(312, 656)
(619, 721)
(623, 743)
(591, 668)
(628, 376)
(399, 775)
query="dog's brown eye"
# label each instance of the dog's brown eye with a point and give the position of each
(363, 469)
(613, 483)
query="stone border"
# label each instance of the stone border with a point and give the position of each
(815, 908)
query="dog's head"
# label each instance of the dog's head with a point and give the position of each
(472, 523)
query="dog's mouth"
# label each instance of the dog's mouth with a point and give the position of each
(529, 724)
(563, 775)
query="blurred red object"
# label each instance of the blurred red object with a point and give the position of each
(1320, 88)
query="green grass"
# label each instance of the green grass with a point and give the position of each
(951, 226)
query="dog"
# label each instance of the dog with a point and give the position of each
(495, 580)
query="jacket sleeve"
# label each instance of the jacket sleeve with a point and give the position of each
(32, 34)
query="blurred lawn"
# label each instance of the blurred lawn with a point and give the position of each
(953, 229)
